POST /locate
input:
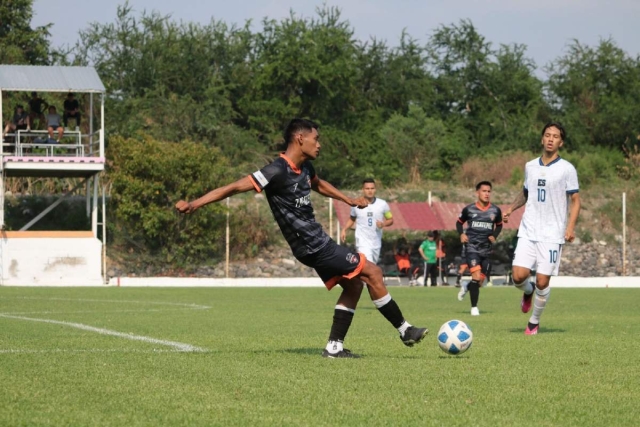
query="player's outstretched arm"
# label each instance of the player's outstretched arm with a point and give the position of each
(328, 190)
(240, 186)
(574, 210)
(520, 201)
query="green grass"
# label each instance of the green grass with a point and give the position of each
(263, 366)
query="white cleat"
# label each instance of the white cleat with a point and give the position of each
(462, 293)
(475, 311)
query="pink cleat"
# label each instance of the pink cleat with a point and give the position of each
(531, 329)
(525, 304)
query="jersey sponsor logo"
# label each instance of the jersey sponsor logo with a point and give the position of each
(480, 224)
(303, 201)
(352, 258)
(542, 182)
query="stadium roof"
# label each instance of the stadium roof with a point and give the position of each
(27, 78)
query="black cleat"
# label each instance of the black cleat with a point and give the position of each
(339, 355)
(413, 335)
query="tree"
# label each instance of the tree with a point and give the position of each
(19, 43)
(596, 93)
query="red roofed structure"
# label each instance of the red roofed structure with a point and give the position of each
(422, 217)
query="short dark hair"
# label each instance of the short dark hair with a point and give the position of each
(556, 125)
(71, 94)
(481, 183)
(34, 93)
(368, 180)
(297, 125)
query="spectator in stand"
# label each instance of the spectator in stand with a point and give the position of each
(20, 121)
(37, 107)
(403, 262)
(71, 110)
(53, 123)
(428, 252)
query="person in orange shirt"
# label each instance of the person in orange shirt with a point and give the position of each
(403, 261)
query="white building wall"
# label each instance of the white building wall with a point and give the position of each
(40, 258)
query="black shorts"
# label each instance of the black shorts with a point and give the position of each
(334, 262)
(477, 261)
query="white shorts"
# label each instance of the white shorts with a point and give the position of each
(542, 257)
(372, 254)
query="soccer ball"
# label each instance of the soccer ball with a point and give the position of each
(455, 337)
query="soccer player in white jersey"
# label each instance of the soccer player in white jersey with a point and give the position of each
(369, 222)
(552, 207)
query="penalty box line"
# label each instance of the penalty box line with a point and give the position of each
(182, 347)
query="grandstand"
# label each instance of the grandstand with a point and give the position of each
(54, 257)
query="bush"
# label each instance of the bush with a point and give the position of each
(148, 178)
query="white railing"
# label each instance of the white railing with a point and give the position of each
(37, 143)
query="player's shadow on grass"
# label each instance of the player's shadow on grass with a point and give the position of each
(540, 330)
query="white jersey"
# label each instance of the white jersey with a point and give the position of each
(549, 188)
(368, 235)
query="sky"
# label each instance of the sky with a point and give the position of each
(546, 27)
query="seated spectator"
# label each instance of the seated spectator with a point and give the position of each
(53, 123)
(20, 121)
(37, 107)
(403, 261)
(71, 110)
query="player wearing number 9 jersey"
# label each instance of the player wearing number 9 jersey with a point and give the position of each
(369, 222)
(552, 207)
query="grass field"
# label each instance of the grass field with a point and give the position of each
(240, 357)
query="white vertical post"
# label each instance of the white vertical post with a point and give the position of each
(330, 216)
(624, 234)
(226, 266)
(87, 192)
(429, 198)
(104, 237)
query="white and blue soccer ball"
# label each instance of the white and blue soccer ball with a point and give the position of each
(455, 337)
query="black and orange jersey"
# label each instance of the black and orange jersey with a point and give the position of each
(288, 191)
(481, 224)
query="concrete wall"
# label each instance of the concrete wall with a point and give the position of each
(36, 258)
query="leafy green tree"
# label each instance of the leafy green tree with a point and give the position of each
(596, 93)
(19, 42)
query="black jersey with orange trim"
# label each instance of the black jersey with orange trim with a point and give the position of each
(288, 191)
(480, 226)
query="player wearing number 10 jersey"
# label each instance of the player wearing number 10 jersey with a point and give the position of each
(369, 222)
(550, 192)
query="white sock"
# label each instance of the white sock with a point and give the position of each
(334, 347)
(527, 287)
(403, 328)
(464, 285)
(381, 302)
(539, 302)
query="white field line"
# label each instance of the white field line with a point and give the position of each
(176, 345)
(150, 310)
(177, 304)
(87, 350)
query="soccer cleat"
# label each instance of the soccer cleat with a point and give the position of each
(525, 304)
(475, 311)
(342, 354)
(413, 335)
(532, 329)
(489, 284)
(462, 293)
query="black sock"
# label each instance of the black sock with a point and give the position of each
(474, 292)
(341, 323)
(458, 278)
(392, 313)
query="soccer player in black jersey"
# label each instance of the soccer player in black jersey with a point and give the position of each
(288, 182)
(484, 224)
